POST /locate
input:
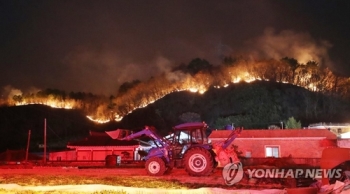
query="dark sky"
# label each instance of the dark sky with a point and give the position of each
(94, 46)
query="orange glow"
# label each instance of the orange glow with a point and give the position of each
(149, 92)
(190, 85)
(99, 120)
(199, 90)
(246, 77)
(51, 103)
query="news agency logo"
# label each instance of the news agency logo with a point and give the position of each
(232, 173)
(294, 173)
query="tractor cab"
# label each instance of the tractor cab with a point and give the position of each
(188, 135)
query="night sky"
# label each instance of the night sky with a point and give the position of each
(94, 46)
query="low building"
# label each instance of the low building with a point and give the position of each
(344, 140)
(66, 155)
(96, 147)
(303, 145)
(337, 128)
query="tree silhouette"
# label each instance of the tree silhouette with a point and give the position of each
(197, 65)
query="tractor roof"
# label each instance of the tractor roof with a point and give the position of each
(194, 125)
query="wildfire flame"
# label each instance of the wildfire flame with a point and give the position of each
(51, 103)
(101, 121)
(147, 93)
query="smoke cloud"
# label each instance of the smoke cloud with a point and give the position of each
(288, 43)
(100, 45)
(102, 70)
(9, 91)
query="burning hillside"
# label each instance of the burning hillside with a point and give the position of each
(102, 109)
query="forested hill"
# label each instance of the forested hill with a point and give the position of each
(249, 105)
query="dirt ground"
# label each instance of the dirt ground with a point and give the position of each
(213, 182)
(176, 174)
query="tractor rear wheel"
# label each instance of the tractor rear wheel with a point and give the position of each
(199, 162)
(155, 166)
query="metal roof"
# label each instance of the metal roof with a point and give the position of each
(102, 139)
(276, 133)
(193, 125)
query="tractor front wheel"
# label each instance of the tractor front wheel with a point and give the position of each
(199, 162)
(155, 166)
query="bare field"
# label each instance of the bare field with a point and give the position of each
(127, 179)
(176, 174)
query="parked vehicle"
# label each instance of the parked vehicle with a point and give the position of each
(187, 147)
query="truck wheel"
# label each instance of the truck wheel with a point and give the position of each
(155, 166)
(199, 162)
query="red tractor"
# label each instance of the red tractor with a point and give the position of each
(187, 147)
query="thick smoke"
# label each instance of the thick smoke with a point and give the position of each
(61, 45)
(8, 92)
(288, 43)
(103, 70)
(165, 66)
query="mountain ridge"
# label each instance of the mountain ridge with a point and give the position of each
(250, 105)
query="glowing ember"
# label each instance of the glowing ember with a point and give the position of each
(118, 118)
(312, 87)
(197, 90)
(101, 121)
(194, 90)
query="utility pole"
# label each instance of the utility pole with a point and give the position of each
(282, 124)
(45, 141)
(28, 146)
